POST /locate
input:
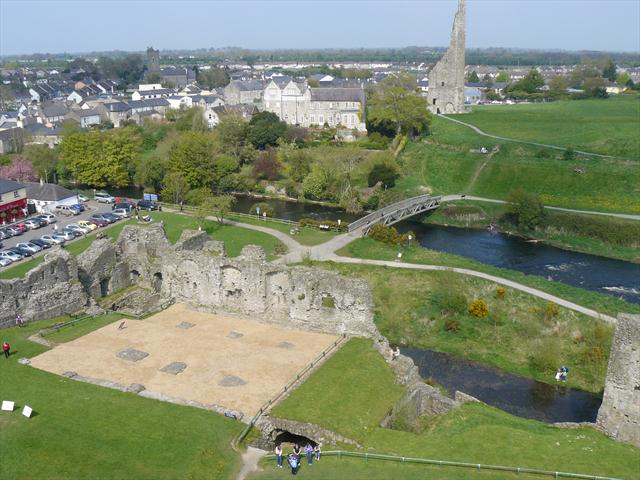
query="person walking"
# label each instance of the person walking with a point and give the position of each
(316, 451)
(19, 321)
(6, 348)
(55, 228)
(308, 450)
(279, 455)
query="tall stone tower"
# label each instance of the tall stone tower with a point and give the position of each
(446, 78)
(153, 60)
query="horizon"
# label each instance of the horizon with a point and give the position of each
(139, 26)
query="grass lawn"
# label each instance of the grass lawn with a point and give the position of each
(81, 328)
(445, 164)
(83, 431)
(233, 237)
(475, 433)
(368, 248)
(608, 127)
(417, 308)
(366, 386)
(307, 236)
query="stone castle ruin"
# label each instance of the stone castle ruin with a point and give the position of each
(446, 78)
(153, 60)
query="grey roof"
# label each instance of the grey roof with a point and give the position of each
(337, 95)
(87, 112)
(54, 110)
(210, 98)
(117, 107)
(157, 91)
(151, 102)
(7, 186)
(248, 85)
(49, 192)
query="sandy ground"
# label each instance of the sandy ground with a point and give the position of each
(266, 357)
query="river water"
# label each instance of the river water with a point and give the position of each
(519, 396)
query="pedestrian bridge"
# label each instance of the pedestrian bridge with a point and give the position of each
(395, 213)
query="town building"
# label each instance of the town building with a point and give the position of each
(243, 92)
(45, 197)
(13, 201)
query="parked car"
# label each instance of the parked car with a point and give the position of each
(5, 261)
(4, 234)
(75, 226)
(86, 224)
(21, 226)
(40, 243)
(70, 234)
(14, 230)
(32, 247)
(82, 198)
(66, 210)
(25, 252)
(128, 205)
(104, 197)
(147, 205)
(53, 239)
(65, 236)
(32, 224)
(78, 206)
(102, 216)
(121, 212)
(111, 217)
(48, 217)
(98, 222)
(11, 255)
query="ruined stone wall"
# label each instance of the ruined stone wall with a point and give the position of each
(446, 78)
(49, 290)
(619, 414)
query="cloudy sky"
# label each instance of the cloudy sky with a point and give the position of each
(29, 26)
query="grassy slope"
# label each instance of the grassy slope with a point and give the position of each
(445, 164)
(516, 325)
(608, 127)
(367, 248)
(84, 431)
(307, 236)
(474, 433)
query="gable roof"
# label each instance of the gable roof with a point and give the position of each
(7, 186)
(49, 192)
(337, 95)
(54, 110)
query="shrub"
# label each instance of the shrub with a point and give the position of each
(569, 154)
(384, 173)
(552, 310)
(479, 308)
(312, 222)
(616, 232)
(263, 208)
(328, 302)
(500, 292)
(545, 358)
(267, 166)
(390, 235)
(526, 208)
(371, 203)
(452, 325)
(449, 301)
(594, 355)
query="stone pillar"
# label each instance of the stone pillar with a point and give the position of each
(619, 414)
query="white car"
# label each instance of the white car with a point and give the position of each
(121, 212)
(48, 217)
(30, 247)
(13, 256)
(104, 197)
(65, 235)
(32, 224)
(52, 239)
(78, 228)
(5, 261)
(82, 198)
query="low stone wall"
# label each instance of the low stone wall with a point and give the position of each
(619, 414)
(272, 427)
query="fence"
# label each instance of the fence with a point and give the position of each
(446, 463)
(287, 387)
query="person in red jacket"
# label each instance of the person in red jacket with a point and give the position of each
(6, 348)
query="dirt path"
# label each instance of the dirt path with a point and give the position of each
(478, 171)
(250, 460)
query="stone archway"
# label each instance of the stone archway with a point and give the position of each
(449, 108)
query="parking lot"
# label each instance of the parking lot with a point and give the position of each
(91, 207)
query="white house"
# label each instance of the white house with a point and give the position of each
(46, 196)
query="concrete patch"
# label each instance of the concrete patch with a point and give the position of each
(234, 334)
(132, 355)
(174, 368)
(185, 325)
(286, 345)
(231, 381)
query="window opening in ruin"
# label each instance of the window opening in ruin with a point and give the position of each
(434, 101)
(104, 287)
(134, 275)
(438, 111)
(443, 84)
(157, 281)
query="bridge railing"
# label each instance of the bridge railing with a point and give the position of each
(382, 212)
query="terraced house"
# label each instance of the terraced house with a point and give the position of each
(298, 104)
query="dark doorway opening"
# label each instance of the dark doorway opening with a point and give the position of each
(157, 281)
(104, 287)
(292, 438)
(134, 275)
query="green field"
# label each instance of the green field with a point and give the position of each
(445, 163)
(83, 431)
(608, 127)
(474, 433)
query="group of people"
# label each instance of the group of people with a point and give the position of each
(293, 459)
(561, 374)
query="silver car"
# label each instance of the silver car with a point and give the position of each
(78, 228)
(30, 247)
(52, 239)
(32, 224)
(5, 261)
(65, 234)
(13, 256)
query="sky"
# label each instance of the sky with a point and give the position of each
(56, 26)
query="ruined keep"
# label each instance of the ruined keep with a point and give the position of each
(446, 78)
(619, 414)
(153, 60)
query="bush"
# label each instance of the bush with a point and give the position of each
(328, 302)
(615, 232)
(371, 203)
(569, 154)
(452, 325)
(390, 235)
(449, 301)
(479, 309)
(500, 292)
(264, 208)
(375, 141)
(267, 166)
(384, 173)
(551, 311)
(545, 358)
(526, 208)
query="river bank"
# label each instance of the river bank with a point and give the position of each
(482, 215)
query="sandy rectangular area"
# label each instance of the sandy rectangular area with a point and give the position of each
(216, 348)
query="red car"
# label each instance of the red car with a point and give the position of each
(21, 226)
(99, 222)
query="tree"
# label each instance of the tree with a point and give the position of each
(232, 133)
(129, 69)
(558, 86)
(153, 77)
(526, 208)
(188, 119)
(267, 166)
(531, 83)
(383, 172)
(223, 167)
(315, 184)
(503, 77)
(298, 164)
(20, 169)
(609, 71)
(623, 79)
(221, 205)
(150, 171)
(396, 100)
(43, 159)
(175, 188)
(473, 77)
(213, 78)
(594, 87)
(487, 80)
(193, 156)
(265, 128)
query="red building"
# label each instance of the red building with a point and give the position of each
(13, 201)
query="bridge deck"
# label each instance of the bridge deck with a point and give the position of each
(396, 212)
